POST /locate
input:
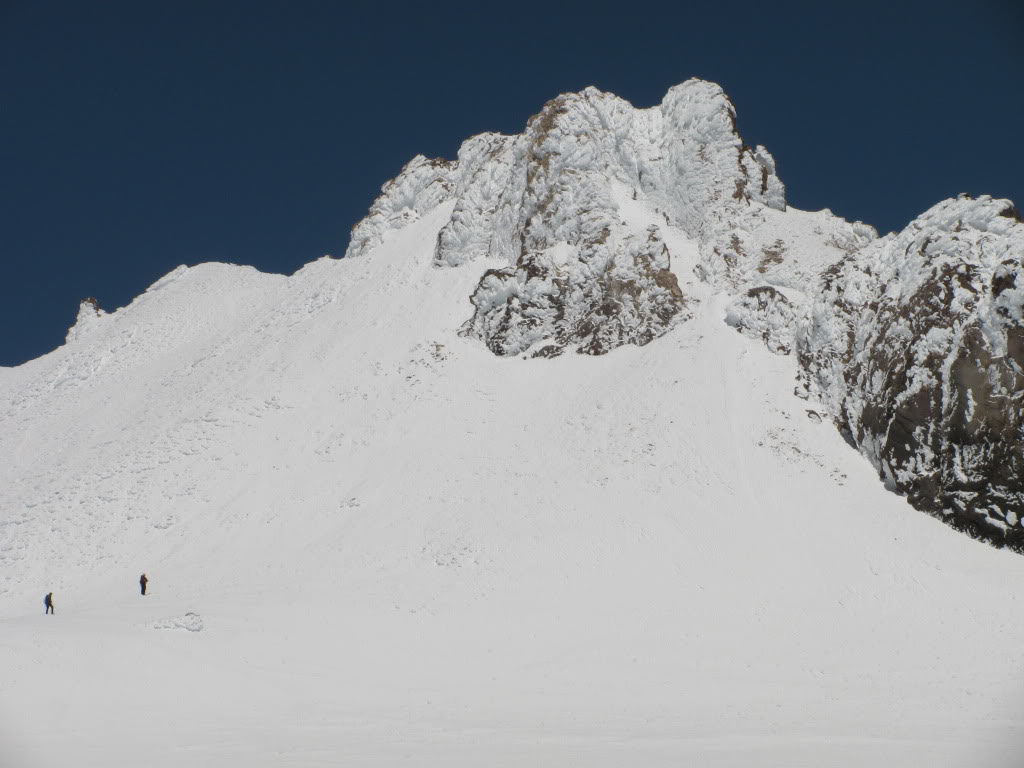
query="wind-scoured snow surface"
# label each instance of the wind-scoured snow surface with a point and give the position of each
(373, 541)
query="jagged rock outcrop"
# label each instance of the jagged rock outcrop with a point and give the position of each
(617, 289)
(546, 206)
(916, 347)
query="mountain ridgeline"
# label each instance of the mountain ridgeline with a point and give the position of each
(912, 343)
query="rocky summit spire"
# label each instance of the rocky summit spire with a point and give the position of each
(546, 207)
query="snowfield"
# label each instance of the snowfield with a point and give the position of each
(372, 541)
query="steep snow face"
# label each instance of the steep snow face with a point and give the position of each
(916, 346)
(546, 207)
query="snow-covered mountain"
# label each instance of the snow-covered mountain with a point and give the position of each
(390, 513)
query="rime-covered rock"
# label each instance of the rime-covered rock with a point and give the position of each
(623, 292)
(545, 206)
(916, 347)
(422, 185)
(764, 313)
(913, 342)
(486, 201)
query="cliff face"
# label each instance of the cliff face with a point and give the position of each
(916, 346)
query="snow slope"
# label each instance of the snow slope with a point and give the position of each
(371, 541)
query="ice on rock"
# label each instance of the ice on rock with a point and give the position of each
(520, 199)
(916, 346)
(421, 186)
(486, 202)
(764, 313)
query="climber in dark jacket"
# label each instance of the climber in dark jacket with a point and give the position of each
(142, 583)
(48, 602)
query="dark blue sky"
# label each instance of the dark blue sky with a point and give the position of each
(136, 136)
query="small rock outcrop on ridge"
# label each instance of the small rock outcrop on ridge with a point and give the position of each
(89, 314)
